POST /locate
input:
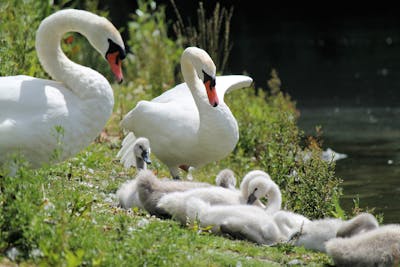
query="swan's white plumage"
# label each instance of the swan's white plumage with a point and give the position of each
(171, 121)
(80, 101)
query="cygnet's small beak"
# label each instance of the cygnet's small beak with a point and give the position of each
(146, 157)
(251, 199)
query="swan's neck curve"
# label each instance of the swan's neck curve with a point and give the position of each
(274, 199)
(214, 121)
(83, 81)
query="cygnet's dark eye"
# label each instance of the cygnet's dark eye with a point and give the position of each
(141, 147)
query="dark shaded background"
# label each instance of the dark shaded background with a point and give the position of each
(326, 54)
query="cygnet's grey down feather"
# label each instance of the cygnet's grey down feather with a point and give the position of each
(239, 221)
(175, 203)
(151, 189)
(226, 178)
(379, 247)
(128, 196)
(137, 154)
(313, 235)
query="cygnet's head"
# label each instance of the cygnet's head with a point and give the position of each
(141, 149)
(226, 178)
(258, 188)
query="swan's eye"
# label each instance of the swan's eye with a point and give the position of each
(113, 47)
(208, 78)
(141, 148)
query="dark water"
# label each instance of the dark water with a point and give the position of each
(370, 138)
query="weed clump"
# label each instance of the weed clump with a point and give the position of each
(271, 140)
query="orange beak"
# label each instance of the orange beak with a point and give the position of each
(212, 94)
(115, 65)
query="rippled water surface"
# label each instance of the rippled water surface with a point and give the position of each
(371, 139)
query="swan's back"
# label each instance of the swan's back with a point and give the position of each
(31, 108)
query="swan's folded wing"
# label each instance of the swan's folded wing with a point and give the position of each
(180, 91)
(228, 83)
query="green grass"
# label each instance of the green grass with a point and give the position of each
(66, 215)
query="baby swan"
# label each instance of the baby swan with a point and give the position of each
(315, 234)
(226, 178)
(139, 152)
(135, 152)
(150, 189)
(287, 221)
(378, 247)
(239, 221)
(175, 203)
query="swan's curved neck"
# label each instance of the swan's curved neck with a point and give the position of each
(193, 81)
(274, 199)
(77, 78)
(215, 121)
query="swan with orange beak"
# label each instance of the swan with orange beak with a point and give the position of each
(189, 125)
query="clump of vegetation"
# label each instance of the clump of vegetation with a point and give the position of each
(271, 140)
(210, 34)
(154, 56)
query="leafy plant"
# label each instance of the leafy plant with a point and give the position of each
(154, 56)
(271, 140)
(211, 34)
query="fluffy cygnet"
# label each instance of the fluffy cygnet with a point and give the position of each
(137, 153)
(315, 234)
(175, 203)
(151, 189)
(239, 221)
(377, 247)
(226, 178)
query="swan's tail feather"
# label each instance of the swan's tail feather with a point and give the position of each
(126, 155)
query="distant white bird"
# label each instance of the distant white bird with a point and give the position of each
(239, 221)
(190, 125)
(313, 235)
(49, 121)
(139, 152)
(378, 247)
(327, 155)
(330, 155)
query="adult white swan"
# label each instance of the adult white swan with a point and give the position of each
(79, 99)
(189, 128)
